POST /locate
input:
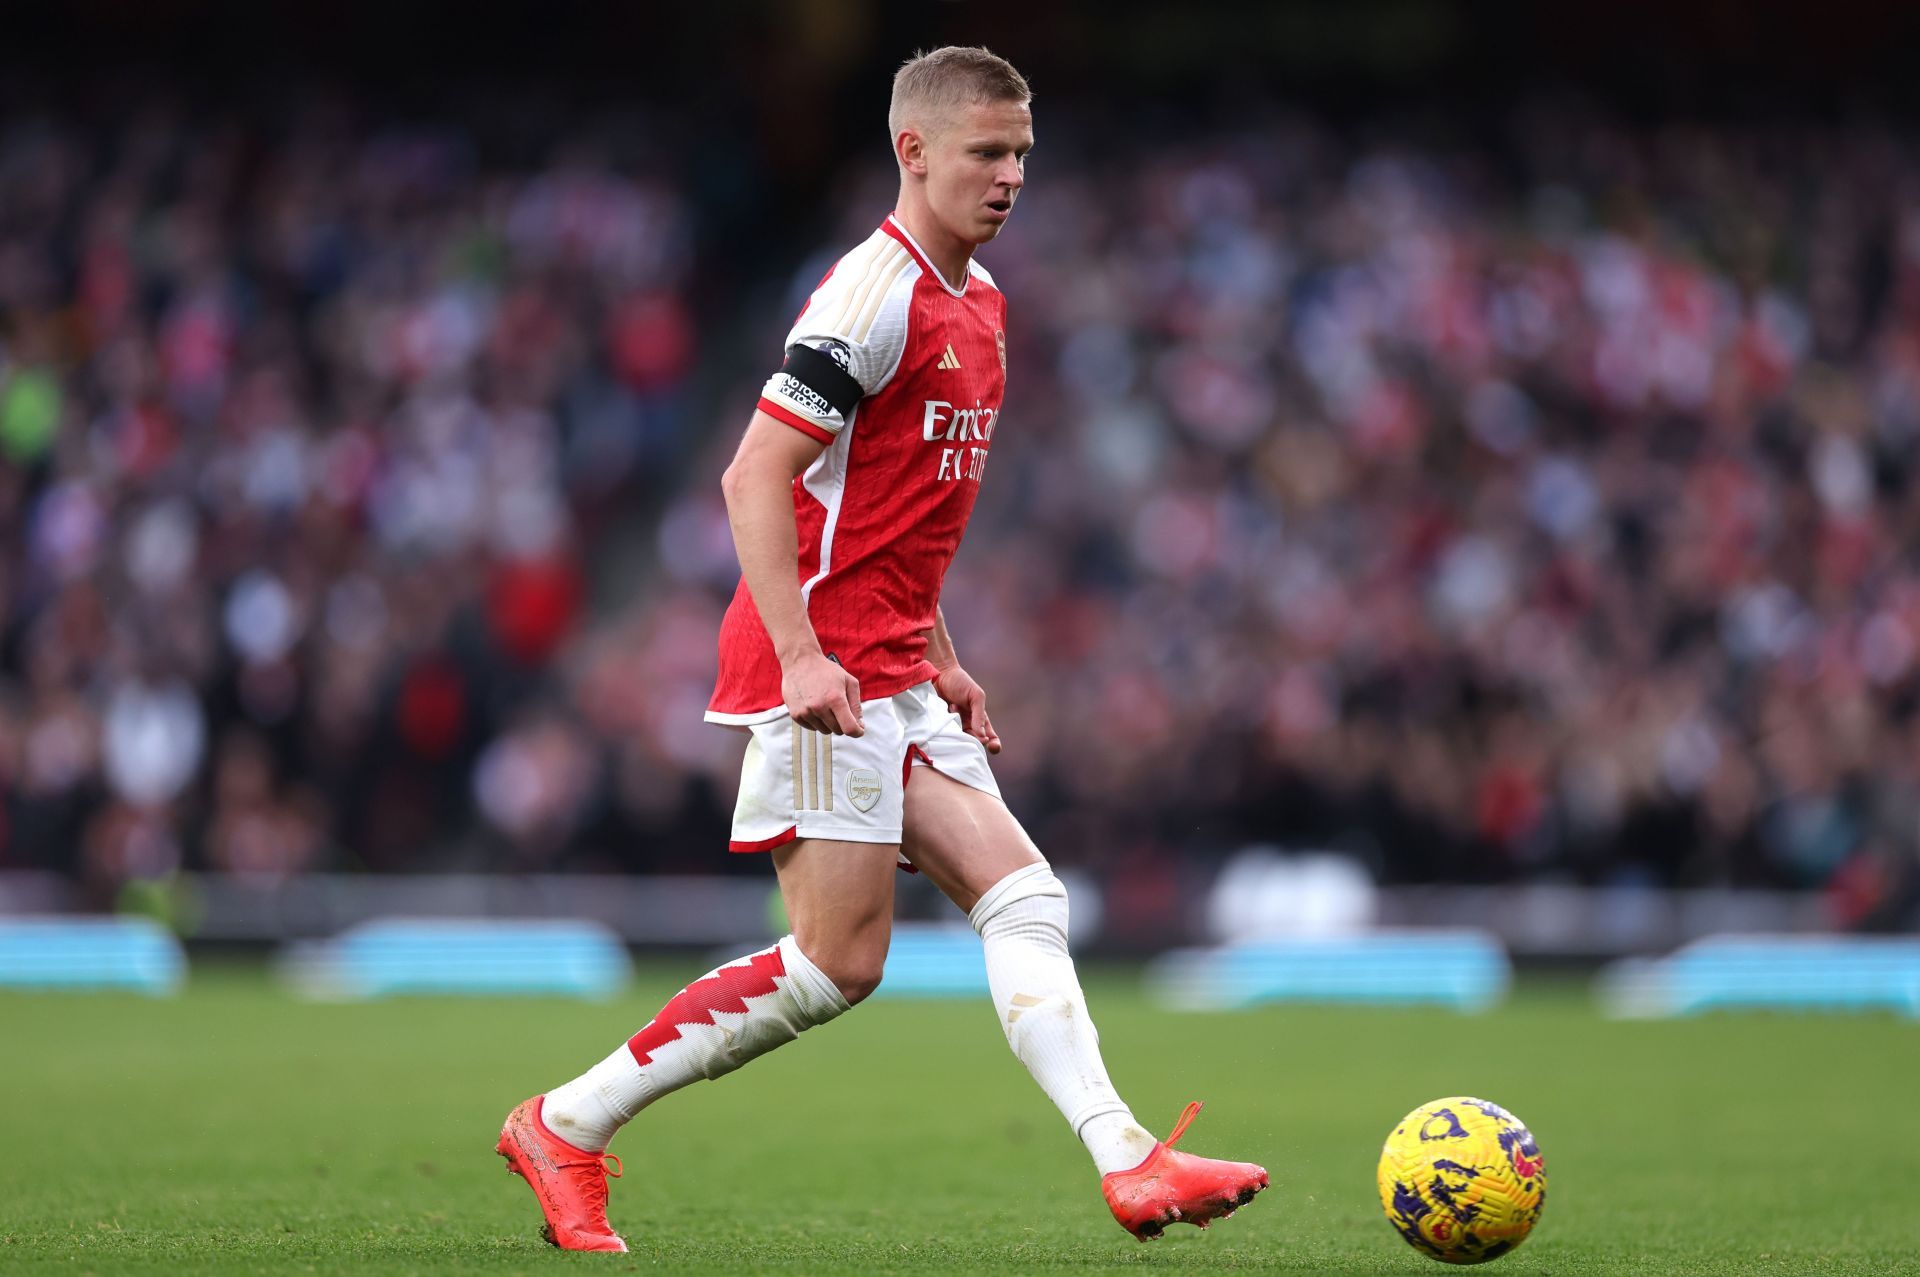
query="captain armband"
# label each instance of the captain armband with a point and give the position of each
(815, 380)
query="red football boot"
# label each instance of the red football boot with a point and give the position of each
(571, 1183)
(1172, 1186)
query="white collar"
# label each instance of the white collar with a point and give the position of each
(927, 261)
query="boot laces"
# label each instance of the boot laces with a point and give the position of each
(1180, 1127)
(592, 1187)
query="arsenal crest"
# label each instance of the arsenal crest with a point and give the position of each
(1000, 342)
(863, 788)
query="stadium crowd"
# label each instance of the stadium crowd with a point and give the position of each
(1540, 507)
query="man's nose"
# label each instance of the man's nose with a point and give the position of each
(1010, 175)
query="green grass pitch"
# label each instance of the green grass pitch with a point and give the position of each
(233, 1130)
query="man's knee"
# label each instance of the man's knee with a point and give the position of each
(1030, 903)
(839, 898)
(853, 962)
(860, 981)
(856, 974)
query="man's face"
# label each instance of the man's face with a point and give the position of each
(976, 166)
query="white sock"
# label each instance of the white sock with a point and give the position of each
(711, 1027)
(1022, 921)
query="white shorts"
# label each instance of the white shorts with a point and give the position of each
(797, 783)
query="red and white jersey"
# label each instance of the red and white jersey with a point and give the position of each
(881, 511)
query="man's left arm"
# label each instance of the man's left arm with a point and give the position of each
(957, 688)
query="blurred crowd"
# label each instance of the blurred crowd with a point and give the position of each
(1534, 506)
(308, 437)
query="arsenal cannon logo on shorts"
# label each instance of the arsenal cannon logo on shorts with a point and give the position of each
(863, 788)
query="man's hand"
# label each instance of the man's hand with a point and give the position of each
(965, 698)
(821, 696)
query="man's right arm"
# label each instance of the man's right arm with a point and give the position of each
(759, 491)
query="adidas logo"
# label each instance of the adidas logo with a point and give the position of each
(949, 360)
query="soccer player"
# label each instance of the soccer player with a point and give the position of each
(868, 740)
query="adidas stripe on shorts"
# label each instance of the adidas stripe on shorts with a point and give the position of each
(798, 783)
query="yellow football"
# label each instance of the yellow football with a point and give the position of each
(1462, 1180)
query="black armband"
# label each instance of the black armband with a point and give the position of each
(824, 376)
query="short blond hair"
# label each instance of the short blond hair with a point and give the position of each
(939, 82)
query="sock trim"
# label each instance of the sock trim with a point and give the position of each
(810, 984)
(1115, 1107)
(1022, 884)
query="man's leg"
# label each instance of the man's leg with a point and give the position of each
(837, 879)
(969, 844)
(972, 848)
(839, 898)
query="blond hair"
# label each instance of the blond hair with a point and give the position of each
(930, 87)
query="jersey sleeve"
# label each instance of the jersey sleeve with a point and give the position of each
(847, 343)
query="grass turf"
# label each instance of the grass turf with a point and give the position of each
(234, 1130)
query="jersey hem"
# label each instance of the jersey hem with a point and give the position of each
(924, 673)
(749, 719)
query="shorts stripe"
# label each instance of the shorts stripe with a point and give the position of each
(813, 771)
(798, 805)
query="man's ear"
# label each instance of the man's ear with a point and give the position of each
(911, 150)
